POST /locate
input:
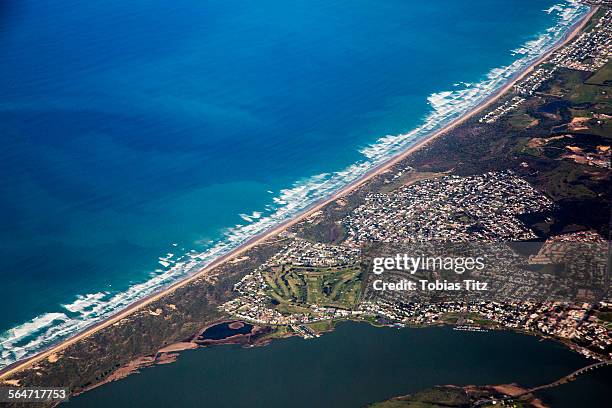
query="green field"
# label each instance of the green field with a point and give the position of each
(601, 77)
(591, 90)
(294, 288)
(436, 397)
(521, 120)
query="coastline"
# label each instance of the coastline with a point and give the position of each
(258, 239)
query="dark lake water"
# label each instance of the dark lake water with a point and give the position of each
(223, 330)
(355, 365)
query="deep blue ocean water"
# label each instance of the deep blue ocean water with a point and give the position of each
(133, 129)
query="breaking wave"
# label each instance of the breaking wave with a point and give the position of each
(45, 330)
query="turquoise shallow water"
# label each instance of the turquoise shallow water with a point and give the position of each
(356, 365)
(131, 130)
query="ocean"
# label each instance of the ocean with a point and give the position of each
(141, 140)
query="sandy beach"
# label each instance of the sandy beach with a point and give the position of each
(256, 240)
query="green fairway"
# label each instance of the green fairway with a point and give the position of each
(296, 288)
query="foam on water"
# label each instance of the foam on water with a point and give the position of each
(43, 331)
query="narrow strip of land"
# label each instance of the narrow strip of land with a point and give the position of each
(563, 380)
(567, 378)
(258, 239)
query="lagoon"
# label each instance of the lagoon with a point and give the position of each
(355, 365)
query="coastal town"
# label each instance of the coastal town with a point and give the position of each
(294, 287)
(590, 51)
(481, 207)
(514, 305)
(575, 324)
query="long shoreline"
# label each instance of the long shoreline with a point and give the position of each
(260, 238)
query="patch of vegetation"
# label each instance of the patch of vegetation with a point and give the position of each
(405, 179)
(521, 120)
(436, 397)
(605, 316)
(603, 77)
(321, 326)
(565, 181)
(450, 318)
(296, 288)
(278, 332)
(578, 91)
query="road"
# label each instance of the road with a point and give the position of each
(563, 380)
